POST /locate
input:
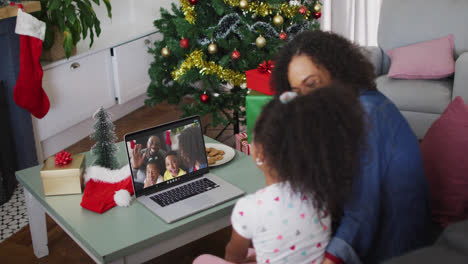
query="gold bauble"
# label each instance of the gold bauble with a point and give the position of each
(212, 48)
(260, 41)
(278, 20)
(243, 4)
(317, 7)
(165, 52)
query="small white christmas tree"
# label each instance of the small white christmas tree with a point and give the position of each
(104, 150)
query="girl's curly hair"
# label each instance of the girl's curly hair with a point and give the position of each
(344, 61)
(314, 143)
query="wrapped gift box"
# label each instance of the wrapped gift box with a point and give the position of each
(254, 103)
(63, 179)
(246, 147)
(259, 79)
(239, 138)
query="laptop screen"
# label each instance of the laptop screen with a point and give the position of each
(166, 155)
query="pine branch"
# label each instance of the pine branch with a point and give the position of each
(229, 28)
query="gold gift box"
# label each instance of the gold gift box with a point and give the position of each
(63, 179)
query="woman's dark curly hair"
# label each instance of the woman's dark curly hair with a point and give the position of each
(191, 147)
(343, 60)
(314, 143)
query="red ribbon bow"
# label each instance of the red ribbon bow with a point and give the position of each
(266, 67)
(18, 5)
(62, 158)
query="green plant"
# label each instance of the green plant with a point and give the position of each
(73, 18)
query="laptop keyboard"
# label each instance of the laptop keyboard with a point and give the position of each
(184, 192)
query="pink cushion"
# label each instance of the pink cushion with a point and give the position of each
(424, 60)
(445, 154)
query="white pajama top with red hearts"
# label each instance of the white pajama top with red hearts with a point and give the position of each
(284, 227)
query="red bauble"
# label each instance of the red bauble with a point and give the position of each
(235, 55)
(184, 43)
(317, 15)
(283, 36)
(204, 98)
(193, 2)
(303, 10)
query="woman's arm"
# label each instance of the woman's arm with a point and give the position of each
(359, 224)
(237, 248)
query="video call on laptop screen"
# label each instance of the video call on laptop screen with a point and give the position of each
(166, 155)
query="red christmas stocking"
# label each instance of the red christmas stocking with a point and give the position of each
(28, 91)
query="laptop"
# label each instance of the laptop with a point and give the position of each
(170, 171)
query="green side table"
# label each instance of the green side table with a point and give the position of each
(129, 234)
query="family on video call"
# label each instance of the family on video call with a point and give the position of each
(167, 155)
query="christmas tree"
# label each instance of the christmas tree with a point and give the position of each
(208, 45)
(104, 150)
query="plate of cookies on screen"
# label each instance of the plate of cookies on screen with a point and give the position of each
(218, 154)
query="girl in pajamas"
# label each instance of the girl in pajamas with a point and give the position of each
(308, 148)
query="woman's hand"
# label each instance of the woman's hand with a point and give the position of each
(138, 158)
(251, 258)
(327, 261)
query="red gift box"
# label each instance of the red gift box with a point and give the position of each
(259, 79)
(246, 147)
(239, 138)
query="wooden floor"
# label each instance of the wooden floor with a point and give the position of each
(62, 249)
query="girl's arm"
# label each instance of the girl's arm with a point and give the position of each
(160, 179)
(237, 248)
(147, 183)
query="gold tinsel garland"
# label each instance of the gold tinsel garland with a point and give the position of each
(195, 59)
(263, 9)
(189, 11)
(258, 8)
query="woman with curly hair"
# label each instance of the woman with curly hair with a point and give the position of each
(191, 149)
(308, 172)
(389, 211)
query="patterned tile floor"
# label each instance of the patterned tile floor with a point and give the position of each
(13, 214)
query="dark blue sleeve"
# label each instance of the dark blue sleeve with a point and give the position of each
(391, 184)
(358, 226)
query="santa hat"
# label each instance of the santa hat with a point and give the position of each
(106, 188)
